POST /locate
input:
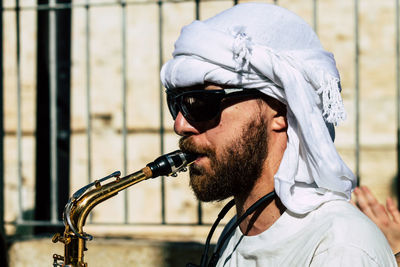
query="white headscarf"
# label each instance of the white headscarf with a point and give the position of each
(266, 47)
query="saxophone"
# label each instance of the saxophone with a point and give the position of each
(84, 200)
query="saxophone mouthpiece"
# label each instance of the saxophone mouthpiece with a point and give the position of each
(170, 164)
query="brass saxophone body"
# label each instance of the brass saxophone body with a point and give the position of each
(86, 198)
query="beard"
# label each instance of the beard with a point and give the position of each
(235, 170)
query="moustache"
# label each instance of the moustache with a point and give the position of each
(187, 145)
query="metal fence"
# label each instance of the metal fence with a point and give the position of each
(51, 8)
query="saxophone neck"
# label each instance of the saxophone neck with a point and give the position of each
(77, 210)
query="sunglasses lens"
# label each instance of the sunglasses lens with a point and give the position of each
(173, 106)
(200, 106)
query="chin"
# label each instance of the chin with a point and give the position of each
(206, 191)
(199, 185)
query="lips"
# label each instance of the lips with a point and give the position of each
(199, 158)
(187, 145)
(196, 155)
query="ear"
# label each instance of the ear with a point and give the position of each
(277, 111)
(279, 123)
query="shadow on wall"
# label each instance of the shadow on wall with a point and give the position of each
(25, 230)
(180, 254)
(20, 230)
(128, 252)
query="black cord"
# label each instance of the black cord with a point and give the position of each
(256, 205)
(221, 215)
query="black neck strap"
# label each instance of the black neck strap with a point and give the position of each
(216, 255)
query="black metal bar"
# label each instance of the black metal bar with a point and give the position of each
(315, 16)
(197, 9)
(124, 105)
(199, 213)
(43, 120)
(1, 125)
(19, 119)
(162, 130)
(357, 91)
(63, 52)
(397, 27)
(3, 248)
(88, 99)
(199, 207)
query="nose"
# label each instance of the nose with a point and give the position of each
(182, 127)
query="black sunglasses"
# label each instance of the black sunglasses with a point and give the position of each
(202, 105)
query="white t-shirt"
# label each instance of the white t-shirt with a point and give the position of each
(335, 234)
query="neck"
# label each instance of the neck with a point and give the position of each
(266, 214)
(261, 219)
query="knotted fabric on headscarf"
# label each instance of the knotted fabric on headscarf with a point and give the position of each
(266, 47)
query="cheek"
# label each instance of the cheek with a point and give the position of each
(230, 126)
(224, 134)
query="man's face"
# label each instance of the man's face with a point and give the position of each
(232, 149)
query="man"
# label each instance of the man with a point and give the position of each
(254, 96)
